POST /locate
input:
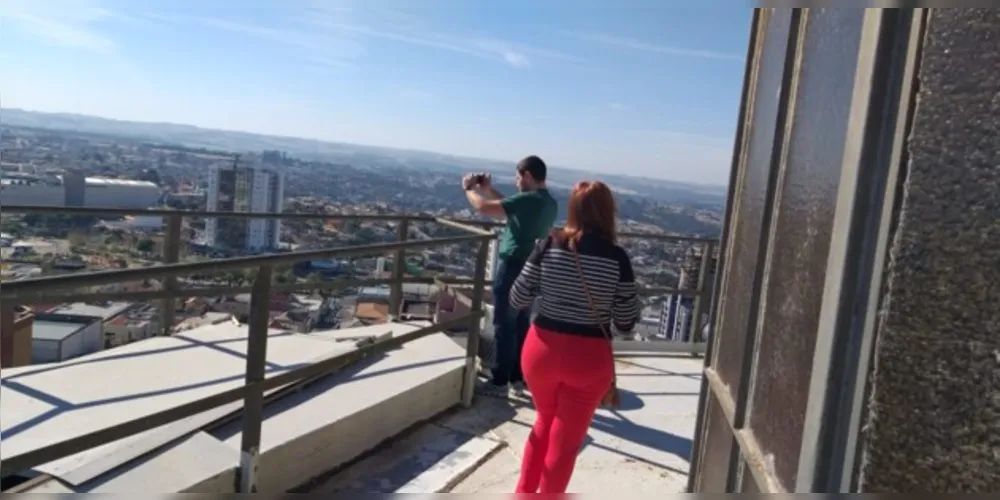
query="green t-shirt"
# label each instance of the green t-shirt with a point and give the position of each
(530, 216)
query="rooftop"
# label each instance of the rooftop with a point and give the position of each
(105, 181)
(45, 329)
(105, 311)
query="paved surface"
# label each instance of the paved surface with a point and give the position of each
(642, 447)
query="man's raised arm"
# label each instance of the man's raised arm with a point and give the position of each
(491, 204)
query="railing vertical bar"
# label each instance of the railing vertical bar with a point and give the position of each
(171, 253)
(699, 300)
(472, 341)
(398, 270)
(253, 402)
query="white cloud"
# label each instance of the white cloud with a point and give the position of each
(77, 24)
(320, 52)
(640, 45)
(333, 37)
(70, 24)
(407, 28)
(617, 106)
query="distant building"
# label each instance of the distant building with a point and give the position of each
(121, 193)
(371, 311)
(418, 310)
(117, 324)
(60, 337)
(125, 329)
(73, 189)
(16, 327)
(676, 315)
(16, 270)
(244, 189)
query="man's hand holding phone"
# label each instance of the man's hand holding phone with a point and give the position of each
(476, 181)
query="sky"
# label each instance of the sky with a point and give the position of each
(642, 87)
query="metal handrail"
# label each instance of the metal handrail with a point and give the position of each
(12, 289)
(469, 224)
(165, 212)
(623, 234)
(222, 290)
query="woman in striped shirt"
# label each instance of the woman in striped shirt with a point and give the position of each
(586, 284)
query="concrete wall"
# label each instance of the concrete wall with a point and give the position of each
(37, 194)
(934, 407)
(15, 337)
(126, 196)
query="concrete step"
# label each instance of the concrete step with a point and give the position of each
(336, 420)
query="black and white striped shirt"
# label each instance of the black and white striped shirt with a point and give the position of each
(551, 273)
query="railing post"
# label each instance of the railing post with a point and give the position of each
(699, 299)
(398, 270)
(253, 400)
(171, 253)
(472, 341)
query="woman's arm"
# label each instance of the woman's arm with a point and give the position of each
(526, 286)
(625, 308)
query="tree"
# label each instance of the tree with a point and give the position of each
(145, 245)
(249, 275)
(284, 276)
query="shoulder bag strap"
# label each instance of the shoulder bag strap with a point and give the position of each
(593, 306)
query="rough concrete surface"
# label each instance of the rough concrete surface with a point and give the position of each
(430, 459)
(934, 421)
(643, 447)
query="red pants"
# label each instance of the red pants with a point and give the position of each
(568, 376)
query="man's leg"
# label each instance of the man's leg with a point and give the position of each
(503, 340)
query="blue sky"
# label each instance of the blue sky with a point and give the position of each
(643, 87)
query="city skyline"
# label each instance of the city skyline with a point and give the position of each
(641, 90)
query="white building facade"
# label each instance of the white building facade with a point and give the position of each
(244, 189)
(97, 192)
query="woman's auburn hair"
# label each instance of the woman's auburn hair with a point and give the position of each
(591, 210)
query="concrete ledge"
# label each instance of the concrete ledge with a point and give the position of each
(306, 433)
(197, 463)
(334, 421)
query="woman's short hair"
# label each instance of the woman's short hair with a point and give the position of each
(591, 210)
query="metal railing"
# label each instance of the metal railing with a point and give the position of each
(65, 288)
(696, 343)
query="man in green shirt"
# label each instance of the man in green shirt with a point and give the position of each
(530, 214)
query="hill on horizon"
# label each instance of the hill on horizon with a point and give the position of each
(317, 150)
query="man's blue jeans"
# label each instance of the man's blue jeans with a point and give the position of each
(510, 326)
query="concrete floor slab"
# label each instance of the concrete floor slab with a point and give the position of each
(643, 447)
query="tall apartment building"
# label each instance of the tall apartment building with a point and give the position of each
(676, 316)
(250, 188)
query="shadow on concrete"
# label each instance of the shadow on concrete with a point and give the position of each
(500, 411)
(630, 401)
(645, 436)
